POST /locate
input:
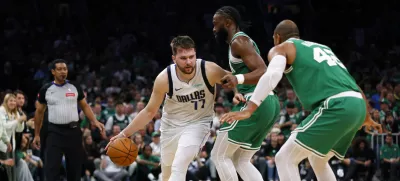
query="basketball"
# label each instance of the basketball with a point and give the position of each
(122, 151)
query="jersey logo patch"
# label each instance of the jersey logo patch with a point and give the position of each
(197, 85)
(70, 94)
(178, 89)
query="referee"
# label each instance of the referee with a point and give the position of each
(64, 136)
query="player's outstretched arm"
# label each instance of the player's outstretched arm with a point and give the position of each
(160, 88)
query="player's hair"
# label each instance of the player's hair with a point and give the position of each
(184, 42)
(232, 13)
(56, 61)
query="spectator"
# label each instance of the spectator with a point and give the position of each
(3, 167)
(288, 119)
(11, 122)
(109, 109)
(155, 145)
(362, 159)
(139, 106)
(92, 152)
(27, 164)
(390, 125)
(157, 122)
(109, 171)
(291, 98)
(269, 154)
(390, 155)
(148, 165)
(197, 169)
(119, 118)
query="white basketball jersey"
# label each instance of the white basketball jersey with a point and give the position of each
(188, 103)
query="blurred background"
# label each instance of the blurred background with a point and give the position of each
(115, 49)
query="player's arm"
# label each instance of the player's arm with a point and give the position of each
(215, 73)
(160, 88)
(277, 58)
(242, 47)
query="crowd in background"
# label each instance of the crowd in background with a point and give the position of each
(114, 52)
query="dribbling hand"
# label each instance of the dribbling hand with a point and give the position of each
(36, 143)
(120, 135)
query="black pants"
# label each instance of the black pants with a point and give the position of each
(3, 168)
(354, 168)
(390, 171)
(62, 140)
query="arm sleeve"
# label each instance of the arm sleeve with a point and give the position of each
(270, 79)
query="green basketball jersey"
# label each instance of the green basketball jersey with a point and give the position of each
(239, 67)
(317, 73)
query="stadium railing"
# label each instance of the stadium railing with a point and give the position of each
(377, 140)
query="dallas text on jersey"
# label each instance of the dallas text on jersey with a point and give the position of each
(193, 96)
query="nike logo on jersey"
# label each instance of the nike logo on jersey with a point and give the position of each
(177, 89)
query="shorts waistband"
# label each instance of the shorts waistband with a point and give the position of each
(347, 94)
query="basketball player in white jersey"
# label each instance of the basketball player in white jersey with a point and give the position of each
(188, 89)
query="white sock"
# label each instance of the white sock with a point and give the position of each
(246, 170)
(221, 155)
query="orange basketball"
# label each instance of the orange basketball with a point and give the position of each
(122, 151)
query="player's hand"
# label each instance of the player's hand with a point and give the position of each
(233, 116)
(229, 81)
(120, 135)
(238, 98)
(36, 143)
(370, 124)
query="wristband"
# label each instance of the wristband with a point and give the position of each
(240, 78)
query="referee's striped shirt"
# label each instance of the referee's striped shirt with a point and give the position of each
(62, 101)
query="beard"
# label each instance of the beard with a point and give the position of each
(221, 36)
(186, 69)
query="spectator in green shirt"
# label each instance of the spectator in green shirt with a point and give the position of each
(390, 155)
(148, 165)
(109, 109)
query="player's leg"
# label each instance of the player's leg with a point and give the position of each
(190, 142)
(256, 130)
(221, 155)
(288, 158)
(320, 132)
(169, 144)
(321, 167)
(246, 170)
